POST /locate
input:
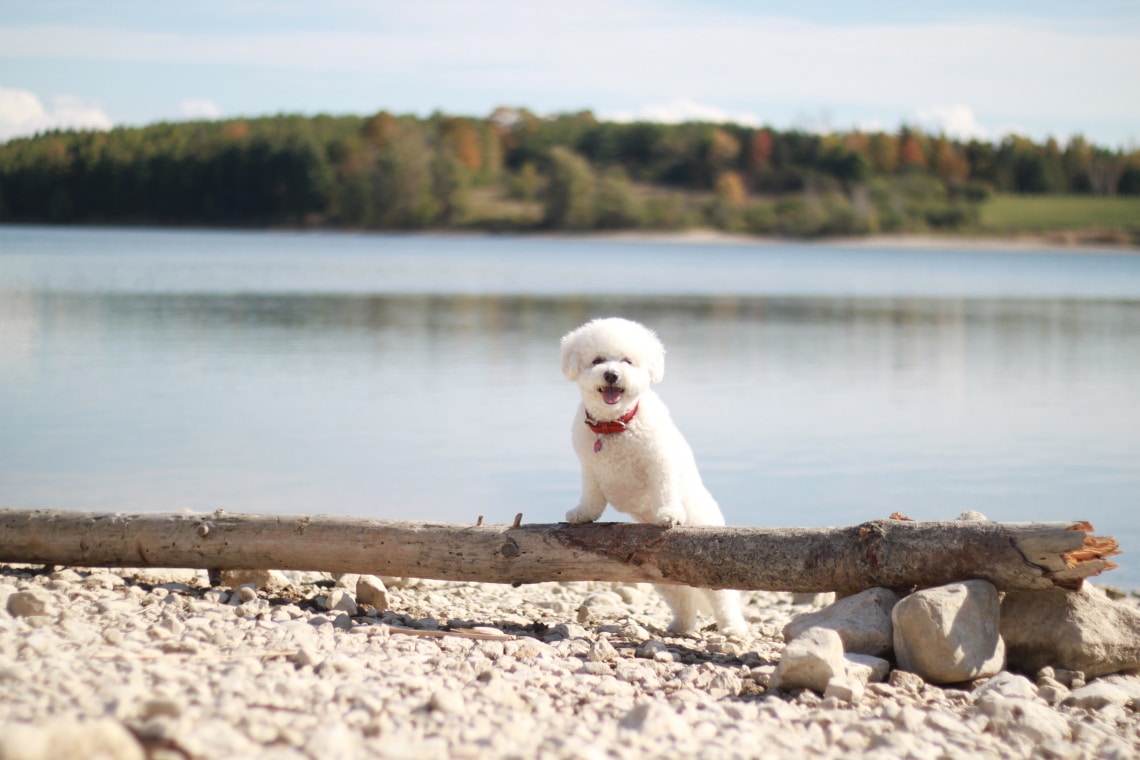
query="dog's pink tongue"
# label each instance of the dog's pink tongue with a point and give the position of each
(611, 395)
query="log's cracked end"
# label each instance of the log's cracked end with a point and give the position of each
(1094, 548)
(1089, 560)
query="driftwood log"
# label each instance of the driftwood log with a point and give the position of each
(894, 553)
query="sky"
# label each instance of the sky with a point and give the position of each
(971, 68)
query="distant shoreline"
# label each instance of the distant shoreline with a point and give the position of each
(912, 242)
(1060, 241)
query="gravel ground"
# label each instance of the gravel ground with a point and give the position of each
(158, 664)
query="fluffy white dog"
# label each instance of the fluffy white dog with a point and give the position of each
(634, 457)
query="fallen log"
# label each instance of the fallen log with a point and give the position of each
(894, 553)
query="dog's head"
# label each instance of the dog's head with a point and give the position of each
(613, 361)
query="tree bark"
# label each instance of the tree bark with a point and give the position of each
(894, 553)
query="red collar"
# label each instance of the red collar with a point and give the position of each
(612, 426)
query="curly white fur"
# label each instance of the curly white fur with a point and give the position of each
(648, 470)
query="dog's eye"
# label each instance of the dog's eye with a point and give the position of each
(598, 360)
(627, 361)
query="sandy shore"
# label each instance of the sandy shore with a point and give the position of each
(1051, 243)
(158, 664)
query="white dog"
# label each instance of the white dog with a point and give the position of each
(634, 457)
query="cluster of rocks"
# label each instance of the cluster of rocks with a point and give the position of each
(960, 633)
(133, 664)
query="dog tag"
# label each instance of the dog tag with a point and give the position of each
(597, 445)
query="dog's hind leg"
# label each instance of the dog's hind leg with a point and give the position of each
(682, 600)
(726, 608)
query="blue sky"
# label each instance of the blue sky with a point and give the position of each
(971, 68)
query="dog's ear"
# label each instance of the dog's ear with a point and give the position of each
(656, 365)
(571, 357)
(652, 354)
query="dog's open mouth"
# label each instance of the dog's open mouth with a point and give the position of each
(611, 394)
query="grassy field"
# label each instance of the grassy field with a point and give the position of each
(1043, 213)
(1067, 219)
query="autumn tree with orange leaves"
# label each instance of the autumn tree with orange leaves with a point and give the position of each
(911, 154)
(461, 137)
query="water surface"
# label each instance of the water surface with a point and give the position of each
(417, 377)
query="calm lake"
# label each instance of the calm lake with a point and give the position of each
(418, 377)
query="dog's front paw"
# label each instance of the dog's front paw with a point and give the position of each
(583, 514)
(668, 517)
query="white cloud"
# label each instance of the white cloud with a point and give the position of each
(453, 54)
(682, 110)
(655, 53)
(956, 121)
(873, 125)
(22, 114)
(199, 108)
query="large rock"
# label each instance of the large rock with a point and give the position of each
(265, 579)
(863, 621)
(1075, 630)
(600, 605)
(1129, 684)
(845, 689)
(602, 651)
(371, 590)
(811, 661)
(653, 719)
(1008, 685)
(866, 668)
(1012, 717)
(1097, 695)
(949, 633)
(66, 738)
(30, 603)
(813, 599)
(341, 600)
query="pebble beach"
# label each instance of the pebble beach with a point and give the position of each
(160, 664)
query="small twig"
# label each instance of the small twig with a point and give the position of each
(144, 655)
(283, 708)
(223, 657)
(460, 634)
(479, 521)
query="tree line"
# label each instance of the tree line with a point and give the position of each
(517, 170)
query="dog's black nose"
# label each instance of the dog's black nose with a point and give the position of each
(611, 377)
